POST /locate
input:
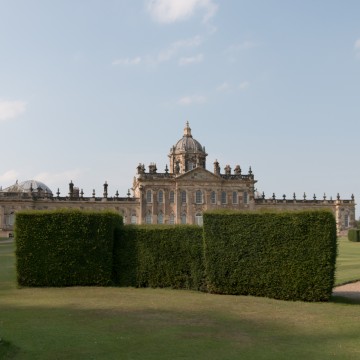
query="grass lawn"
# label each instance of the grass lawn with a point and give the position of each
(127, 323)
(348, 261)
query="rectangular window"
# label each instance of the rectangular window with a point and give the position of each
(198, 197)
(346, 220)
(245, 197)
(160, 196)
(235, 197)
(183, 197)
(172, 219)
(172, 197)
(213, 197)
(148, 218)
(148, 196)
(183, 218)
(198, 219)
(223, 197)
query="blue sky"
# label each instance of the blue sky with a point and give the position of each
(90, 88)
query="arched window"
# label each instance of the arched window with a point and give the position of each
(160, 218)
(172, 219)
(133, 218)
(198, 197)
(183, 197)
(149, 196)
(160, 196)
(172, 197)
(183, 218)
(235, 197)
(148, 219)
(199, 219)
(223, 197)
(213, 197)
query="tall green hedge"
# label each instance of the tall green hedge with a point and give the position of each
(65, 247)
(160, 256)
(288, 256)
(354, 235)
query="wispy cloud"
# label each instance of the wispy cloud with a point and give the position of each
(226, 86)
(357, 48)
(244, 85)
(175, 47)
(11, 109)
(357, 44)
(169, 53)
(128, 61)
(223, 87)
(9, 177)
(191, 100)
(170, 11)
(233, 51)
(245, 45)
(191, 60)
(172, 51)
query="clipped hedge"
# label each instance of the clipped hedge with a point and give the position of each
(289, 256)
(65, 247)
(160, 256)
(354, 235)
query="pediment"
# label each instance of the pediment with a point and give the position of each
(198, 174)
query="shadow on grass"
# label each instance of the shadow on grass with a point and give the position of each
(351, 298)
(116, 333)
(7, 350)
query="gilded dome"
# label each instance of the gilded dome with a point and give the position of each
(27, 185)
(187, 143)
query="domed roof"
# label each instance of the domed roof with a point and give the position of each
(188, 143)
(27, 185)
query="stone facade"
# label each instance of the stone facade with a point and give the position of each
(179, 195)
(30, 199)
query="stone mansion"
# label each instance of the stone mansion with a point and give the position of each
(179, 195)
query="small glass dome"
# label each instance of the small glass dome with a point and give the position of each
(27, 185)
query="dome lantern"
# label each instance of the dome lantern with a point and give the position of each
(187, 152)
(187, 130)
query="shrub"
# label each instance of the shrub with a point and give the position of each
(65, 248)
(160, 256)
(288, 256)
(354, 235)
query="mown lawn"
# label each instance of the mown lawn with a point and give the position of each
(348, 261)
(126, 323)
